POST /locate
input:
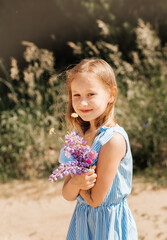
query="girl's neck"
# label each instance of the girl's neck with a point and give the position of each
(109, 123)
(92, 132)
(90, 136)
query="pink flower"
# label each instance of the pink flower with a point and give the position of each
(67, 154)
(92, 155)
(89, 161)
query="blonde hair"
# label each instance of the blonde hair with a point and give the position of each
(104, 72)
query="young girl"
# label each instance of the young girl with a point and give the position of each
(105, 215)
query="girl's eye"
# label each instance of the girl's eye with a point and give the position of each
(91, 94)
(76, 95)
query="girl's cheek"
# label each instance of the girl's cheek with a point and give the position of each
(94, 102)
(74, 102)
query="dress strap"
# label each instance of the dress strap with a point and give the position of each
(107, 134)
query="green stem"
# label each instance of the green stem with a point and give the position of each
(89, 191)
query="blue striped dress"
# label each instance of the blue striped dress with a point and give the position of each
(112, 220)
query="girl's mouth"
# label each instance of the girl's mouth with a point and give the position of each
(85, 111)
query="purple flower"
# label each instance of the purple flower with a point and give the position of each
(79, 171)
(66, 173)
(55, 171)
(59, 175)
(61, 166)
(76, 147)
(73, 171)
(54, 179)
(68, 164)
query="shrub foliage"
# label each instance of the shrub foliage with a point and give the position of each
(33, 100)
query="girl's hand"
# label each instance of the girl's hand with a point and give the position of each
(85, 181)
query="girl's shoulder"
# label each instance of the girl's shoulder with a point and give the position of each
(115, 128)
(106, 133)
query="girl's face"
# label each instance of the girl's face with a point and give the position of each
(89, 96)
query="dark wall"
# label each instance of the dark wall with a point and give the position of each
(26, 20)
(51, 23)
(46, 23)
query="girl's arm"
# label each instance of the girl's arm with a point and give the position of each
(73, 184)
(109, 159)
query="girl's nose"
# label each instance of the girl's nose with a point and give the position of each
(83, 102)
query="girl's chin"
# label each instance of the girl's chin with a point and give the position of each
(84, 119)
(87, 119)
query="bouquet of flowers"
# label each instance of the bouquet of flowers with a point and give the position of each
(76, 147)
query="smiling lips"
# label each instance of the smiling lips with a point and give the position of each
(85, 111)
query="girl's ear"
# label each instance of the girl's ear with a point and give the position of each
(113, 95)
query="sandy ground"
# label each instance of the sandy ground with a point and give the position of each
(36, 211)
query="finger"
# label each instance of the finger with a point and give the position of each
(93, 167)
(88, 186)
(92, 177)
(92, 181)
(92, 185)
(91, 171)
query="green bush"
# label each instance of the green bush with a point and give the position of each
(32, 104)
(34, 100)
(142, 104)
